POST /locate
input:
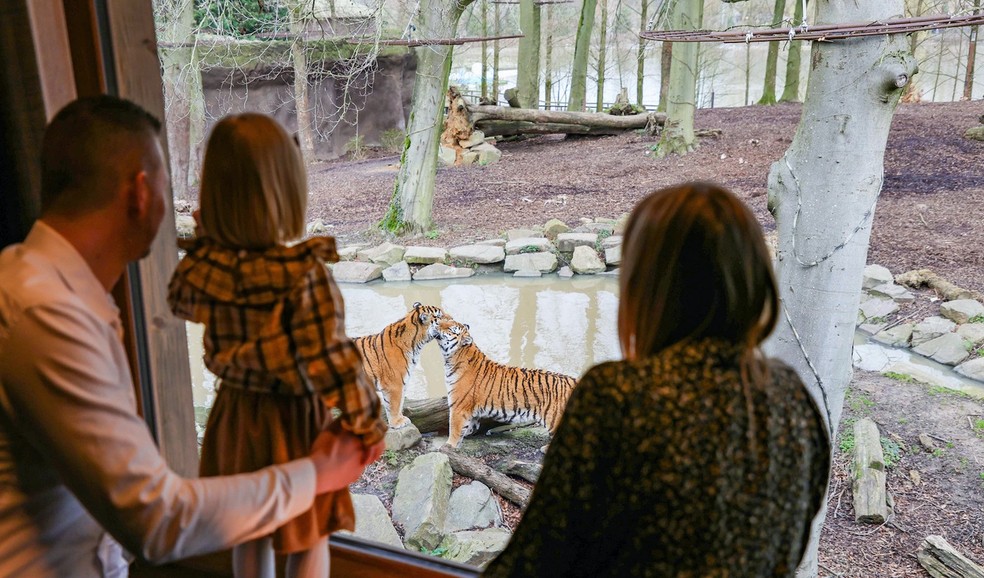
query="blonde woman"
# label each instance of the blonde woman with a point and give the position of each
(274, 333)
(696, 455)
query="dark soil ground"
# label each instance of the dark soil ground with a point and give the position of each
(929, 216)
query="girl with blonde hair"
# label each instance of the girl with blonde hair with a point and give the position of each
(274, 333)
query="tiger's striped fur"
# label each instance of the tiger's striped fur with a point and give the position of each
(389, 355)
(481, 388)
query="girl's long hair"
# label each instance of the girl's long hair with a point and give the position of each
(694, 266)
(254, 186)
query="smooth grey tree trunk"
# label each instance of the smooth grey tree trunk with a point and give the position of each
(822, 193)
(641, 53)
(790, 92)
(678, 134)
(582, 46)
(968, 89)
(772, 59)
(602, 50)
(528, 73)
(410, 208)
(302, 100)
(184, 100)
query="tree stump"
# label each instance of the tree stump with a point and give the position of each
(868, 474)
(941, 560)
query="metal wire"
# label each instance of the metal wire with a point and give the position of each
(821, 33)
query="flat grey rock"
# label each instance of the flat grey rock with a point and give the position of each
(513, 234)
(372, 521)
(542, 262)
(425, 255)
(441, 271)
(613, 241)
(585, 261)
(356, 271)
(931, 328)
(892, 291)
(897, 336)
(878, 309)
(482, 254)
(385, 254)
(397, 272)
(948, 349)
(973, 369)
(528, 245)
(875, 275)
(972, 332)
(566, 242)
(613, 255)
(527, 273)
(962, 310)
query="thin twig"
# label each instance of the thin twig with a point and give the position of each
(944, 440)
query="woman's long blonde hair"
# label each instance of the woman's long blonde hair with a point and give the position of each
(694, 265)
(254, 186)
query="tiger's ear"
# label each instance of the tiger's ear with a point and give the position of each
(417, 305)
(466, 326)
(467, 340)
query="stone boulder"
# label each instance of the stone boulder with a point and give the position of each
(446, 156)
(596, 227)
(554, 227)
(398, 272)
(372, 521)
(542, 262)
(975, 133)
(487, 154)
(973, 369)
(897, 336)
(442, 271)
(613, 255)
(948, 349)
(420, 504)
(424, 255)
(356, 272)
(972, 332)
(186, 226)
(931, 328)
(317, 227)
(586, 262)
(528, 471)
(494, 242)
(875, 275)
(527, 273)
(476, 138)
(613, 241)
(892, 291)
(483, 254)
(473, 506)
(528, 245)
(477, 547)
(962, 310)
(566, 242)
(350, 252)
(513, 234)
(402, 438)
(385, 254)
(878, 309)
(565, 272)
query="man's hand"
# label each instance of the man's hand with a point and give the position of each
(340, 458)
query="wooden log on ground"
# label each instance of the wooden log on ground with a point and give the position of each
(868, 474)
(941, 560)
(920, 277)
(498, 482)
(503, 121)
(428, 415)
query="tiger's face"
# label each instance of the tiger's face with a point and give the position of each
(427, 316)
(452, 335)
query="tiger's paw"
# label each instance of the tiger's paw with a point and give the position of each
(400, 422)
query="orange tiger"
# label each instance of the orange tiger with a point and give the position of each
(479, 387)
(389, 355)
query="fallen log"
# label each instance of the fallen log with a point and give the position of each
(868, 474)
(428, 415)
(950, 292)
(503, 121)
(476, 470)
(941, 560)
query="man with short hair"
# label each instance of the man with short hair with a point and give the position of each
(79, 471)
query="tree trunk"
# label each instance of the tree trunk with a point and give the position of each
(641, 53)
(822, 194)
(184, 99)
(678, 132)
(548, 61)
(302, 102)
(600, 69)
(503, 121)
(428, 415)
(665, 64)
(790, 92)
(941, 560)
(968, 89)
(495, 57)
(410, 208)
(485, 49)
(911, 93)
(772, 60)
(582, 46)
(528, 66)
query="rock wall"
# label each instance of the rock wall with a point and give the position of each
(378, 100)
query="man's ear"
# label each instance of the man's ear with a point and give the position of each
(138, 193)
